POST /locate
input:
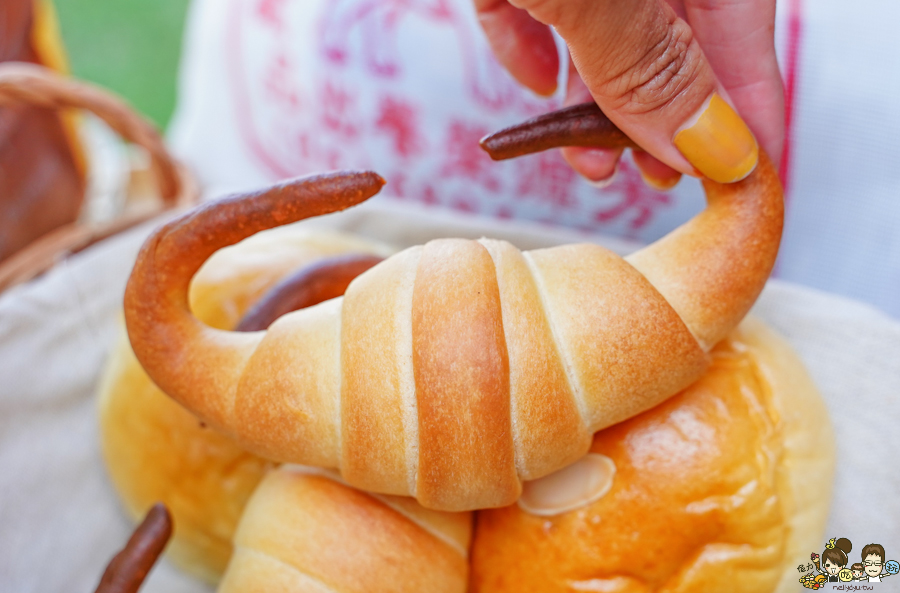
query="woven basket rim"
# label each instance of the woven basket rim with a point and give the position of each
(23, 83)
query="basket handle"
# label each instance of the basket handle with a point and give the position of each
(22, 83)
(30, 84)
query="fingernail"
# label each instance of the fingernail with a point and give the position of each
(606, 181)
(603, 183)
(719, 144)
(659, 183)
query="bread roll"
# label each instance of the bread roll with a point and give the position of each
(157, 451)
(724, 487)
(306, 532)
(455, 370)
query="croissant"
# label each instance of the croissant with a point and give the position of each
(451, 371)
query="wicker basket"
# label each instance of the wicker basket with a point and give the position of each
(29, 84)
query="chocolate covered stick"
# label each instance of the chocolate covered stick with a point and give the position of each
(308, 286)
(128, 569)
(579, 125)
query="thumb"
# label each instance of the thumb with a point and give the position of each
(648, 74)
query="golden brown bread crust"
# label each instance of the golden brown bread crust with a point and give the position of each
(717, 489)
(377, 416)
(181, 247)
(353, 384)
(625, 346)
(465, 444)
(547, 418)
(156, 450)
(307, 532)
(724, 278)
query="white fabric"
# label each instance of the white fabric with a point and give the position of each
(60, 521)
(276, 88)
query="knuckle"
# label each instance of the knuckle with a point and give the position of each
(671, 63)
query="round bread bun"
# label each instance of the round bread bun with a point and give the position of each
(156, 451)
(304, 530)
(724, 487)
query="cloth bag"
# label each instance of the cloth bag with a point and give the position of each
(60, 521)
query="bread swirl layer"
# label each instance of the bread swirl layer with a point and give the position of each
(466, 452)
(547, 425)
(378, 393)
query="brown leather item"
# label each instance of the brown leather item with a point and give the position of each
(23, 84)
(41, 180)
(533, 352)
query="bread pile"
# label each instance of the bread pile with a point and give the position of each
(155, 450)
(626, 434)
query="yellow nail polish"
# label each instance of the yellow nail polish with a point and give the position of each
(659, 183)
(719, 144)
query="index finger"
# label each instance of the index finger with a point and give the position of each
(521, 44)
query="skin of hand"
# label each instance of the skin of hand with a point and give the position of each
(672, 74)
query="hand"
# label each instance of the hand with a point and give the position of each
(667, 72)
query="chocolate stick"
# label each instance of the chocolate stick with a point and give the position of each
(308, 286)
(128, 569)
(580, 125)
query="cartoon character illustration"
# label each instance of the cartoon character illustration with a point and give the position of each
(834, 558)
(873, 563)
(811, 581)
(857, 571)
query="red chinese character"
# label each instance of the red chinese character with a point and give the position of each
(337, 111)
(377, 22)
(398, 119)
(278, 81)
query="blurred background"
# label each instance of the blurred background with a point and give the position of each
(271, 89)
(130, 46)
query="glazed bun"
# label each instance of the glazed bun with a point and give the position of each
(304, 530)
(157, 451)
(724, 487)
